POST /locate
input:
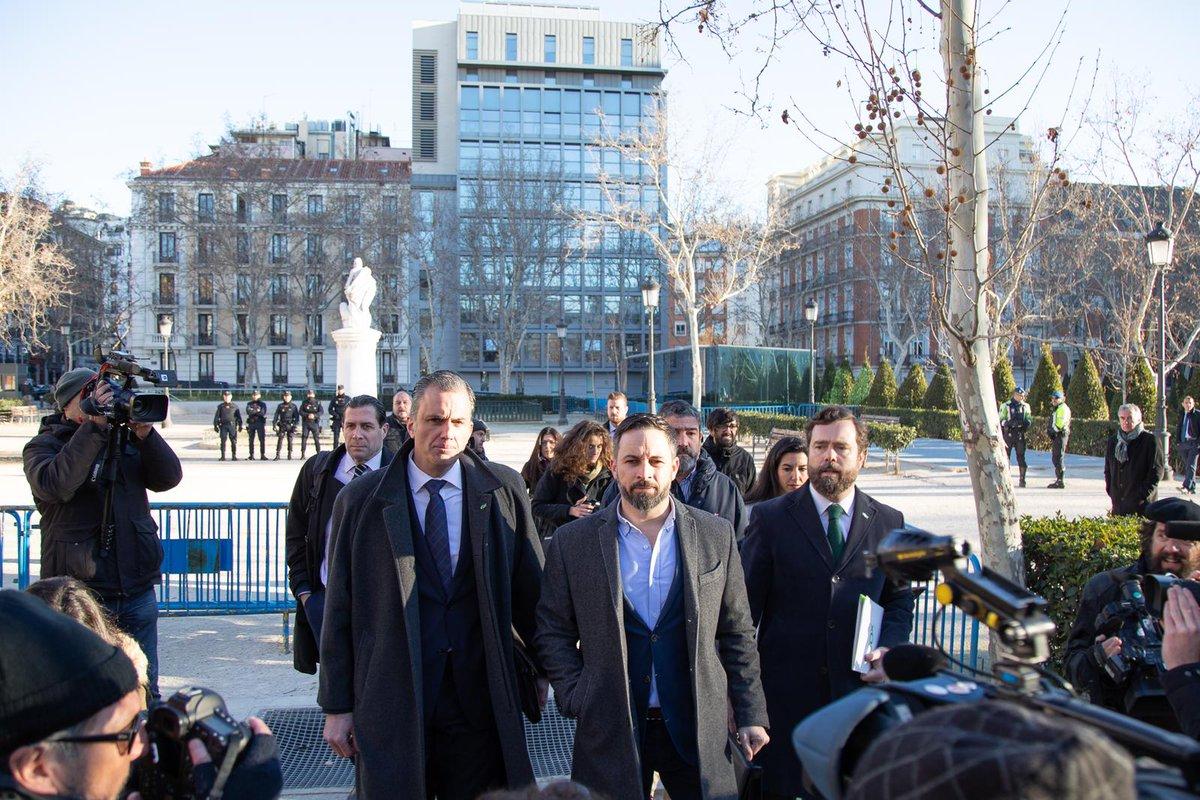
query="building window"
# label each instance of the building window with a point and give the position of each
(353, 214)
(166, 247)
(204, 207)
(204, 330)
(589, 50)
(241, 359)
(314, 249)
(279, 288)
(242, 208)
(204, 289)
(166, 288)
(279, 330)
(589, 79)
(387, 366)
(390, 205)
(313, 286)
(551, 78)
(279, 368)
(243, 248)
(241, 333)
(473, 45)
(391, 249)
(279, 208)
(166, 207)
(243, 293)
(551, 48)
(278, 248)
(318, 367)
(681, 329)
(627, 52)
(204, 366)
(203, 248)
(315, 328)
(510, 47)
(316, 205)
(510, 76)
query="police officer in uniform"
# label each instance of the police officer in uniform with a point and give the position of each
(227, 421)
(287, 416)
(1059, 430)
(256, 425)
(337, 407)
(310, 422)
(1015, 419)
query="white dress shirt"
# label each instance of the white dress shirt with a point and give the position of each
(647, 572)
(823, 503)
(344, 474)
(452, 496)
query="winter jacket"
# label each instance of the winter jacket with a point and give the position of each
(287, 416)
(1134, 483)
(58, 464)
(227, 414)
(397, 434)
(554, 495)
(256, 415)
(735, 462)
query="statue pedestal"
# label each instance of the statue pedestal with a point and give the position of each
(356, 365)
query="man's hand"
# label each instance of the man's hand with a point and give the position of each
(581, 509)
(543, 692)
(339, 734)
(875, 659)
(102, 395)
(752, 738)
(1111, 644)
(1181, 629)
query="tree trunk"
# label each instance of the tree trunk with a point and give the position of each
(693, 321)
(968, 297)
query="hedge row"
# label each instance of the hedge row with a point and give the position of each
(891, 437)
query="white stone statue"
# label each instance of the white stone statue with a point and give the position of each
(360, 293)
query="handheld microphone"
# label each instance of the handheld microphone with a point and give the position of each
(912, 662)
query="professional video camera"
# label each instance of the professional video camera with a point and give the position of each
(119, 369)
(831, 741)
(191, 713)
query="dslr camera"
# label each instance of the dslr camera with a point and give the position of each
(191, 713)
(119, 369)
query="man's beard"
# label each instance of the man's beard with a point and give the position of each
(833, 482)
(687, 462)
(1179, 570)
(644, 502)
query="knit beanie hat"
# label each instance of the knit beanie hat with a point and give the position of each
(54, 672)
(71, 384)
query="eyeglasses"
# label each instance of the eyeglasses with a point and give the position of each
(124, 738)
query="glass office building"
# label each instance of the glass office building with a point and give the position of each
(732, 375)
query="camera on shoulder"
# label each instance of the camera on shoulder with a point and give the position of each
(118, 370)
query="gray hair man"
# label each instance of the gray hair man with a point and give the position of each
(1133, 464)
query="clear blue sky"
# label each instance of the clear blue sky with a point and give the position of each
(91, 88)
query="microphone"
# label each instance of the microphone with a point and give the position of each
(912, 662)
(1187, 531)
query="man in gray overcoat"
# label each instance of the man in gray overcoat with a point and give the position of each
(652, 591)
(435, 561)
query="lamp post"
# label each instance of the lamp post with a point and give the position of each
(66, 332)
(650, 301)
(561, 330)
(1160, 247)
(166, 324)
(810, 314)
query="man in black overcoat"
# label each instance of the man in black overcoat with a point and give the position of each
(436, 562)
(1133, 464)
(805, 569)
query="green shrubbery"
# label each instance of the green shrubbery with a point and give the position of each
(1141, 390)
(1002, 379)
(1046, 381)
(942, 394)
(862, 384)
(883, 387)
(1085, 394)
(911, 393)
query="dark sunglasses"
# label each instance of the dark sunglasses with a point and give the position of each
(124, 738)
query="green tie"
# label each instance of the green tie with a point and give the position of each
(837, 541)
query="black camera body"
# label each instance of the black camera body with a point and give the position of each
(119, 369)
(190, 713)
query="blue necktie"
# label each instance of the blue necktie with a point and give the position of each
(437, 531)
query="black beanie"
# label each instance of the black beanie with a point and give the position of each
(54, 672)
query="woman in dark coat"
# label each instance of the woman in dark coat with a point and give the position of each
(576, 479)
(539, 459)
(784, 470)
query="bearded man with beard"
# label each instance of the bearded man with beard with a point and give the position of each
(1160, 555)
(805, 568)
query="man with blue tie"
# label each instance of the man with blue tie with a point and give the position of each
(1189, 442)
(645, 633)
(436, 562)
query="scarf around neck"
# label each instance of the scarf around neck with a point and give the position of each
(1121, 451)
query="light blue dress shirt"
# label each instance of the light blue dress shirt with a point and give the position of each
(647, 573)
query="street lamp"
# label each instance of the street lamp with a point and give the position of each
(166, 324)
(561, 330)
(650, 302)
(810, 314)
(1160, 248)
(66, 332)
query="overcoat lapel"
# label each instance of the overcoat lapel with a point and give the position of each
(804, 512)
(478, 488)
(864, 520)
(689, 550)
(606, 542)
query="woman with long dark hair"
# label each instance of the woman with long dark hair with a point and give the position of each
(575, 482)
(785, 470)
(539, 459)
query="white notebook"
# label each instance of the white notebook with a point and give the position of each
(866, 633)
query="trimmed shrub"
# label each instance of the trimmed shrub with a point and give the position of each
(929, 424)
(911, 393)
(883, 388)
(1002, 379)
(1046, 381)
(862, 383)
(1085, 395)
(840, 389)
(942, 394)
(759, 424)
(1062, 554)
(826, 380)
(1089, 437)
(1141, 390)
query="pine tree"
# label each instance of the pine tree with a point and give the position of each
(883, 388)
(1002, 379)
(840, 389)
(862, 383)
(1046, 381)
(911, 393)
(826, 382)
(1141, 390)
(942, 394)
(1085, 394)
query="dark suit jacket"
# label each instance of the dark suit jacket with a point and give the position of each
(1134, 483)
(582, 603)
(371, 639)
(806, 606)
(1192, 420)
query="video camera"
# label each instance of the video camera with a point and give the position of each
(831, 741)
(119, 369)
(191, 713)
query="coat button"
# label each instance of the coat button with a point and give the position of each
(646, 679)
(654, 637)
(832, 625)
(836, 579)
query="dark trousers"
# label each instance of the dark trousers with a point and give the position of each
(138, 617)
(336, 428)
(1187, 454)
(228, 434)
(1058, 448)
(289, 433)
(260, 432)
(1016, 441)
(310, 429)
(462, 761)
(314, 611)
(681, 779)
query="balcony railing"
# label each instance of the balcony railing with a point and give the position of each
(166, 299)
(205, 299)
(205, 340)
(279, 340)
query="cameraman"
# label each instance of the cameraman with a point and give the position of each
(60, 463)
(70, 716)
(1160, 555)
(1181, 657)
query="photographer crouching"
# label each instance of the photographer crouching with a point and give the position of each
(89, 468)
(1113, 672)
